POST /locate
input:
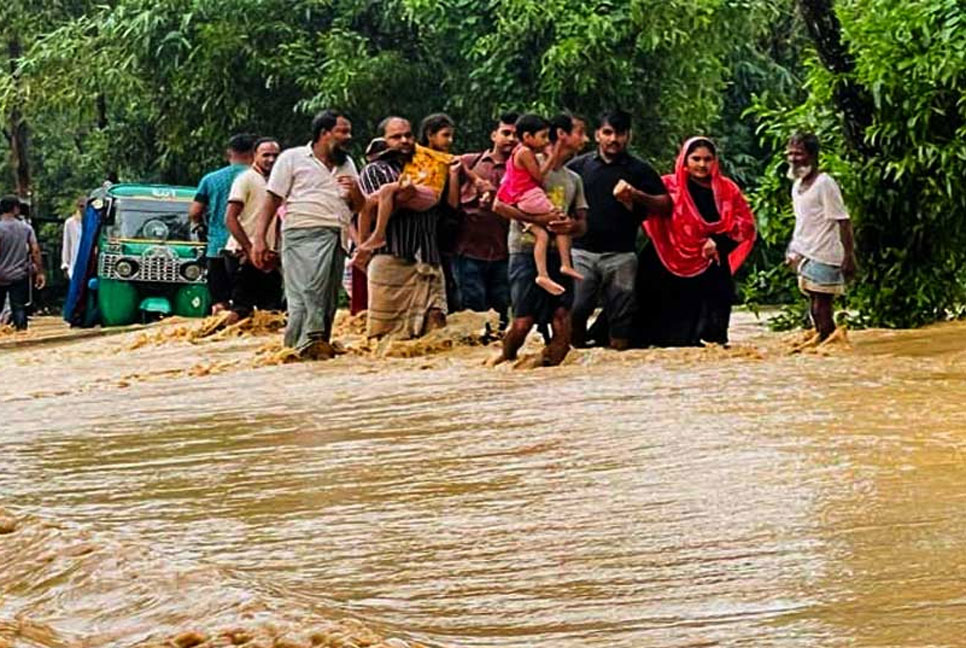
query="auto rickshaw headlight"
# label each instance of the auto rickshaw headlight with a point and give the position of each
(191, 271)
(125, 268)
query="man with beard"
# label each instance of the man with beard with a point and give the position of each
(822, 250)
(407, 294)
(318, 185)
(208, 211)
(480, 262)
(252, 287)
(622, 191)
(531, 303)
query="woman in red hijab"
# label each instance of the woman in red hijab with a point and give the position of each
(686, 285)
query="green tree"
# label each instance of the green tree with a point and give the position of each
(886, 99)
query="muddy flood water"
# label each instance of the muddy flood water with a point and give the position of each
(172, 491)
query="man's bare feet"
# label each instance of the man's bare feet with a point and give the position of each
(550, 285)
(570, 272)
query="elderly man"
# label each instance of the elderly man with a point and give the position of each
(317, 184)
(208, 210)
(822, 250)
(480, 264)
(531, 303)
(407, 294)
(606, 255)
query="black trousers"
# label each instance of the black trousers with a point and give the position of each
(251, 288)
(19, 292)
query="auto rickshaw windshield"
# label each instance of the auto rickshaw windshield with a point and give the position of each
(156, 220)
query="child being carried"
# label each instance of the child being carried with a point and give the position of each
(424, 176)
(522, 187)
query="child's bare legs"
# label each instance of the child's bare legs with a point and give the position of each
(540, 248)
(362, 255)
(385, 205)
(566, 262)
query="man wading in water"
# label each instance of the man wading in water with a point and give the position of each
(317, 184)
(531, 303)
(407, 294)
(822, 249)
(252, 287)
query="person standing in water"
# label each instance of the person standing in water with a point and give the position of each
(685, 284)
(822, 250)
(19, 259)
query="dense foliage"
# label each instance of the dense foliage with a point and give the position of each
(902, 173)
(150, 90)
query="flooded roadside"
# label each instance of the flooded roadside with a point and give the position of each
(651, 498)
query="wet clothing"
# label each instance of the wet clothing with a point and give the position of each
(312, 265)
(566, 191)
(19, 293)
(681, 311)
(405, 276)
(480, 259)
(483, 285)
(218, 279)
(612, 227)
(685, 298)
(609, 280)
(818, 277)
(529, 299)
(252, 288)
(401, 293)
(213, 192)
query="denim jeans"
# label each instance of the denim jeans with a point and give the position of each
(483, 285)
(19, 292)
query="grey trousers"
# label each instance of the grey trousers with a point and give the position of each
(312, 265)
(608, 277)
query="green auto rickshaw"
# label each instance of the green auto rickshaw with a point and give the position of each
(149, 261)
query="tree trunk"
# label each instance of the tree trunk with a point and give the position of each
(850, 97)
(17, 127)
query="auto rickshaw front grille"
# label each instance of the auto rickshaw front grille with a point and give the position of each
(105, 267)
(159, 269)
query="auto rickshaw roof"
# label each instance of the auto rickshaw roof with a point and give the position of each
(152, 191)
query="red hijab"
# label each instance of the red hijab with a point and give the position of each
(679, 238)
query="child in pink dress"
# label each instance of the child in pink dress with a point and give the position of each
(522, 187)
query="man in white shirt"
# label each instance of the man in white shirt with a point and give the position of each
(318, 185)
(822, 250)
(72, 238)
(252, 287)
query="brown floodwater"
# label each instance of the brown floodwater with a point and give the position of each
(750, 497)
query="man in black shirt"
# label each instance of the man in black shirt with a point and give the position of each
(621, 191)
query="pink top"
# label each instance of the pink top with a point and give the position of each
(516, 181)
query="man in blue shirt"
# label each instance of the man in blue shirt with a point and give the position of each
(208, 209)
